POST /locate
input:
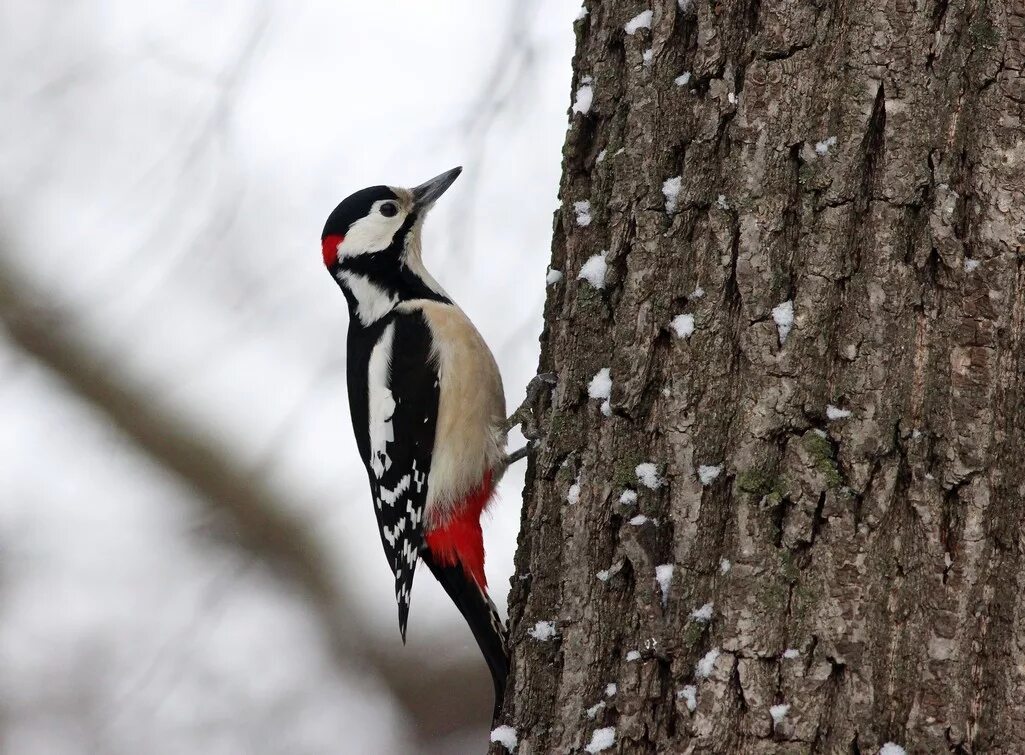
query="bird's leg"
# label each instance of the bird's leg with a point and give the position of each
(524, 415)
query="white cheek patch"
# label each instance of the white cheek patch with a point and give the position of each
(370, 234)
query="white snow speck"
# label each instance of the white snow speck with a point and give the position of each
(610, 690)
(683, 79)
(725, 566)
(704, 667)
(573, 494)
(971, 265)
(823, 147)
(602, 739)
(820, 432)
(604, 575)
(584, 97)
(628, 497)
(505, 736)
(640, 21)
(778, 713)
(721, 202)
(783, 316)
(554, 276)
(647, 473)
(582, 13)
(690, 695)
(638, 520)
(791, 653)
(606, 408)
(732, 98)
(664, 577)
(543, 631)
(685, 5)
(601, 156)
(601, 384)
(671, 191)
(697, 293)
(595, 709)
(835, 412)
(593, 271)
(702, 615)
(646, 57)
(892, 748)
(708, 473)
(683, 325)
(633, 655)
(583, 212)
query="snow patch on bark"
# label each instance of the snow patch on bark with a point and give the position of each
(638, 22)
(708, 473)
(602, 739)
(689, 694)
(543, 631)
(783, 316)
(584, 97)
(647, 473)
(835, 412)
(593, 271)
(505, 736)
(664, 577)
(704, 667)
(683, 325)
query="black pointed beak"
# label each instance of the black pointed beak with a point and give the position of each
(427, 193)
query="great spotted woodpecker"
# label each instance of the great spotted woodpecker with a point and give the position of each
(426, 401)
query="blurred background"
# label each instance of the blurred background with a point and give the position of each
(189, 561)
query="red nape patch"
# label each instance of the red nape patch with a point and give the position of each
(329, 246)
(460, 540)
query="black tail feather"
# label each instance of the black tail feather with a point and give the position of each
(480, 613)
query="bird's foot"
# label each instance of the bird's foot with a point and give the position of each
(520, 453)
(524, 416)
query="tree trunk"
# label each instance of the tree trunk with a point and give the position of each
(864, 164)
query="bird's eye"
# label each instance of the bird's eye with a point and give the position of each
(388, 209)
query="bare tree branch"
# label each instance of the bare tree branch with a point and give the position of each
(440, 698)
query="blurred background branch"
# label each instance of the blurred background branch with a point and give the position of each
(188, 554)
(440, 698)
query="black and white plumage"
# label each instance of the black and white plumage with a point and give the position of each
(426, 402)
(401, 399)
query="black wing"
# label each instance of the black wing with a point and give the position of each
(398, 455)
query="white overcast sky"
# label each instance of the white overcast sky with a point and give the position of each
(165, 169)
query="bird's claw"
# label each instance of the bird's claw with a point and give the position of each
(524, 414)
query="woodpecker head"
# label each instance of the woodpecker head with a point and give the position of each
(380, 222)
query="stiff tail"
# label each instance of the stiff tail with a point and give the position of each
(476, 607)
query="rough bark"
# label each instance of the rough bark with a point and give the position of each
(886, 547)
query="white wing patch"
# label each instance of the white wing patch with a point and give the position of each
(381, 403)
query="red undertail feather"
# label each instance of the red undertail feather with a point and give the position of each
(460, 539)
